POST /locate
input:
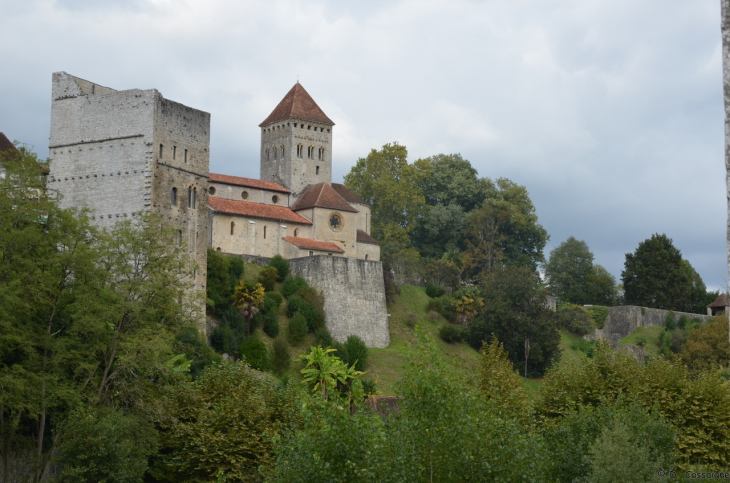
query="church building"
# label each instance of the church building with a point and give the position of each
(294, 210)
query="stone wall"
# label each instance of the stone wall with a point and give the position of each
(624, 320)
(354, 296)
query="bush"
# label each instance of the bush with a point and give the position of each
(443, 306)
(223, 340)
(272, 302)
(685, 323)
(280, 358)
(576, 319)
(368, 385)
(600, 313)
(314, 316)
(281, 265)
(585, 346)
(669, 322)
(292, 285)
(452, 333)
(297, 328)
(235, 269)
(341, 352)
(433, 316)
(357, 352)
(293, 304)
(268, 277)
(391, 288)
(312, 295)
(219, 288)
(322, 337)
(271, 324)
(254, 351)
(434, 291)
(193, 344)
(104, 444)
(412, 320)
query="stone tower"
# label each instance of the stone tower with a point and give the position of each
(120, 153)
(296, 143)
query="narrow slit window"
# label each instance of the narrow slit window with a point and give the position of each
(190, 196)
(366, 256)
(275, 157)
(295, 233)
(282, 151)
(160, 156)
(195, 193)
(174, 152)
(316, 171)
(173, 197)
(179, 237)
(264, 232)
(186, 155)
(233, 226)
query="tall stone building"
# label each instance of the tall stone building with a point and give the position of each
(122, 153)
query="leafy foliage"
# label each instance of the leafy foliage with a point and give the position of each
(281, 265)
(297, 327)
(254, 352)
(599, 314)
(322, 337)
(267, 278)
(280, 357)
(707, 347)
(500, 382)
(576, 319)
(574, 278)
(453, 333)
(357, 352)
(292, 285)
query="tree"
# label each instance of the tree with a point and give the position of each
(248, 298)
(655, 276)
(568, 271)
(515, 310)
(505, 230)
(707, 347)
(450, 180)
(440, 229)
(391, 186)
(602, 288)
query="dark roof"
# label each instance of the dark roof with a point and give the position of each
(256, 210)
(310, 244)
(322, 195)
(721, 301)
(348, 195)
(5, 144)
(248, 182)
(363, 237)
(299, 104)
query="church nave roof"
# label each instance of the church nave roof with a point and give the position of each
(256, 210)
(248, 182)
(308, 243)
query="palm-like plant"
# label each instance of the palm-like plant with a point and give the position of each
(248, 298)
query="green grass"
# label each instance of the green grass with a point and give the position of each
(650, 334)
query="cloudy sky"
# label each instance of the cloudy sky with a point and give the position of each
(609, 112)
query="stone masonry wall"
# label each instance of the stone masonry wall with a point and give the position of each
(354, 296)
(624, 320)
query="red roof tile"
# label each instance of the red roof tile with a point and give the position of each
(299, 104)
(256, 210)
(322, 195)
(310, 244)
(363, 237)
(348, 195)
(721, 301)
(5, 144)
(248, 182)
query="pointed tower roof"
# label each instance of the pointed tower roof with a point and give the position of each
(299, 104)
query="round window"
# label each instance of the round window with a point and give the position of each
(275, 199)
(336, 222)
(244, 195)
(211, 190)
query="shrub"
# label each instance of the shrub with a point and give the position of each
(314, 316)
(412, 320)
(267, 278)
(669, 322)
(104, 444)
(576, 319)
(193, 344)
(707, 347)
(235, 269)
(297, 327)
(368, 385)
(453, 333)
(685, 323)
(391, 288)
(292, 285)
(357, 352)
(272, 302)
(312, 295)
(281, 265)
(223, 340)
(293, 304)
(585, 346)
(271, 324)
(322, 337)
(341, 352)
(255, 353)
(433, 316)
(219, 288)
(280, 358)
(600, 313)
(434, 291)
(443, 306)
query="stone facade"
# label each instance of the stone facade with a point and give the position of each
(121, 153)
(624, 320)
(353, 294)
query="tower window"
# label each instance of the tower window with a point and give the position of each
(173, 197)
(244, 195)
(160, 156)
(295, 124)
(195, 195)
(321, 154)
(274, 153)
(174, 152)
(310, 152)
(282, 151)
(267, 155)
(309, 128)
(190, 196)
(300, 150)
(316, 171)
(233, 225)
(179, 237)
(275, 199)
(186, 155)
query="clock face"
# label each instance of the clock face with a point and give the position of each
(336, 222)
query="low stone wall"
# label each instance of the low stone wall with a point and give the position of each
(624, 320)
(354, 296)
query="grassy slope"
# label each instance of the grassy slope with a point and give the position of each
(652, 339)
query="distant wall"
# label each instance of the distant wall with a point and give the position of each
(354, 296)
(624, 320)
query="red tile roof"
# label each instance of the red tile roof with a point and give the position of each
(310, 244)
(322, 195)
(363, 237)
(721, 301)
(5, 144)
(348, 195)
(256, 210)
(299, 104)
(248, 182)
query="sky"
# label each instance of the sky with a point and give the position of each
(609, 113)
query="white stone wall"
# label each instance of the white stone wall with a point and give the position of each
(248, 236)
(255, 195)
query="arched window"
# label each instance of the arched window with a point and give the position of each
(282, 151)
(366, 256)
(173, 197)
(195, 195)
(233, 225)
(274, 153)
(300, 151)
(295, 232)
(190, 196)
(316, 171)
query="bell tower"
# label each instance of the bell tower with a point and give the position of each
(296, 143)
